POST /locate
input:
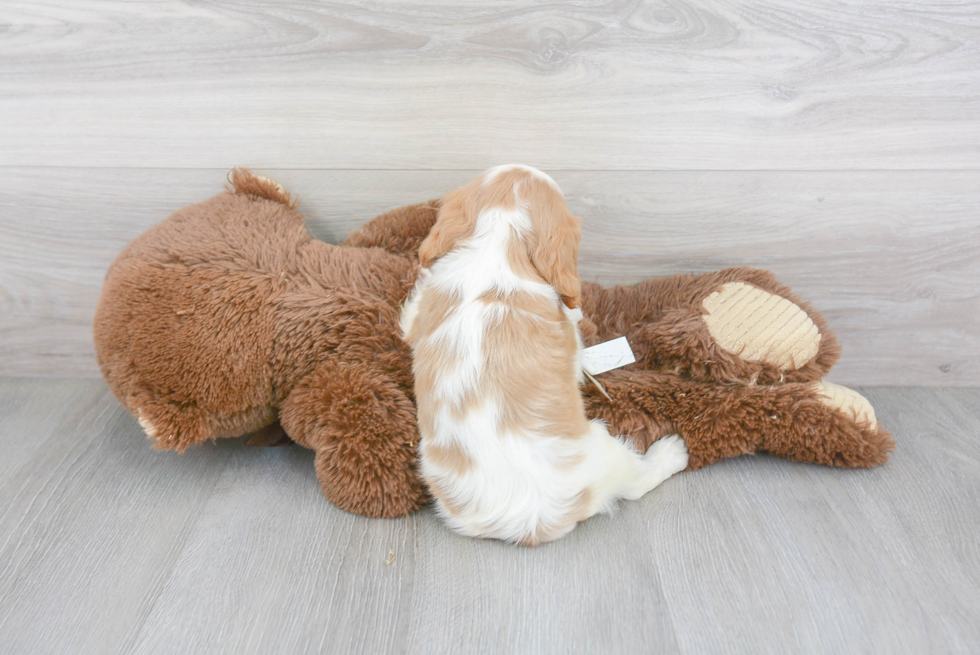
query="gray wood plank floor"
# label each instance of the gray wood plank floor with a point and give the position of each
(109, 547)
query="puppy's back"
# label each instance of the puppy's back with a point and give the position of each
(495, 362)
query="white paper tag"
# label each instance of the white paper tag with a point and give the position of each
(607, 356)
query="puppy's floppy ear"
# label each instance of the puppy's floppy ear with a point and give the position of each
(554, 251)
(454, 223)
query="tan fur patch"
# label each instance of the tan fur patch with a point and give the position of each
(519, 261)
(461, 208)
(433, 357)
(444, 499)
(455, 222)
(502, 189)
(579, 511)
(582, 509)
(530, 368)
(554, 240)
(449, 458)
(435, 307)
(568, 463)
(524, 301)
(530, 540)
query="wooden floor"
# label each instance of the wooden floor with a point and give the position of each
(109, 547)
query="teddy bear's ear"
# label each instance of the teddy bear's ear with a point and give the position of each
(456, 221)
(554, 251)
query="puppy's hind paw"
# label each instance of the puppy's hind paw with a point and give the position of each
(668, 455)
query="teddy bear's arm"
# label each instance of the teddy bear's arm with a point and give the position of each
(362, 426)
(399, 231)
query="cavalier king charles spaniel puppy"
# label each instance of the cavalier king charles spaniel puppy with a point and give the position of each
(506, 449)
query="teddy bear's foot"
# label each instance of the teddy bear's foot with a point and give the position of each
(736, 325)
(761, 327)
(846, 402)
(833, 425)
(645, 406)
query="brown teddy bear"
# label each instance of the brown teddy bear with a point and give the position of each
(228, 316)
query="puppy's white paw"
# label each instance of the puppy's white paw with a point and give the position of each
(668, 455)
(664, 458)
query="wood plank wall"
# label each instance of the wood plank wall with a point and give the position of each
(837, 143)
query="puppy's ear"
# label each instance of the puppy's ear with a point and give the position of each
(554, 251)
(454, 222)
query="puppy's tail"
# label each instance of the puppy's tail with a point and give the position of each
(246, 182)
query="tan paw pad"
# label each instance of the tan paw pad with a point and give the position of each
(847, 402)
(759, 326)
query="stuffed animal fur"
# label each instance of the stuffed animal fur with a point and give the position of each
(228, 317)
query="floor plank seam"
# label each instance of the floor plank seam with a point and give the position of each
(130, 642)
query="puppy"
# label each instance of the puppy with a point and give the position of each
(506, 448)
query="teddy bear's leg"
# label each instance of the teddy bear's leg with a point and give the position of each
(362, 426)
(808, 422)
(850, 435)
(730, 325)
(643, 406)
